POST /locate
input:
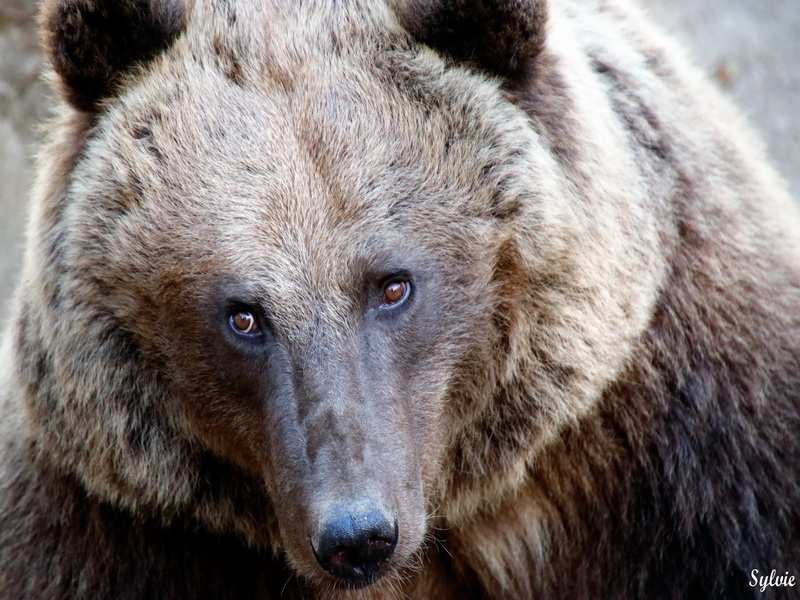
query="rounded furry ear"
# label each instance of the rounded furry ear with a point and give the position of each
(92, 42)
(499, 36)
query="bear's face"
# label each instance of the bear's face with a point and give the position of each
(308, 260)
(319, 251)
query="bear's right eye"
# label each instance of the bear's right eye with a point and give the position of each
(395, 293)
(244, 322)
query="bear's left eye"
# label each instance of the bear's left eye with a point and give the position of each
(244, 322)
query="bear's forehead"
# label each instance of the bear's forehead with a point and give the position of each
(343, 132)
(336, 146)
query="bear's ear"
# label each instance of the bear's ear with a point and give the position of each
(499, 36)
(92, 42)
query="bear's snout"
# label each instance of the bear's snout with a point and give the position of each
(354, 541)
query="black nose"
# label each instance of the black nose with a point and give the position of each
(354, 542)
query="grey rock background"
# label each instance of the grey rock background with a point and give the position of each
(23, 104)
(752, 48)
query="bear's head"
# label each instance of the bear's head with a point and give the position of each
(307, 271)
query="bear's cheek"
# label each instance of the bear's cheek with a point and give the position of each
(221, 398)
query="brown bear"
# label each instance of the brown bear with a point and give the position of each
(397, 299)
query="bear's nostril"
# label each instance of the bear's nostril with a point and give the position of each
(355, 541)
(378, 544)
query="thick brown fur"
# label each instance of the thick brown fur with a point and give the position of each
(593, 390)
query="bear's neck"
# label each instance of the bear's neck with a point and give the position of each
(671, 477)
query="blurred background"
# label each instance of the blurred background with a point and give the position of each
(750, 47)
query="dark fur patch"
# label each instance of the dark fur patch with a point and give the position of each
(509, 278)
(228, 8)
(495, 35)
(228, 61)
(634, 111)
(220, 480)
(33, 358)
(145, 135)
(91, 42)
(543, 94)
